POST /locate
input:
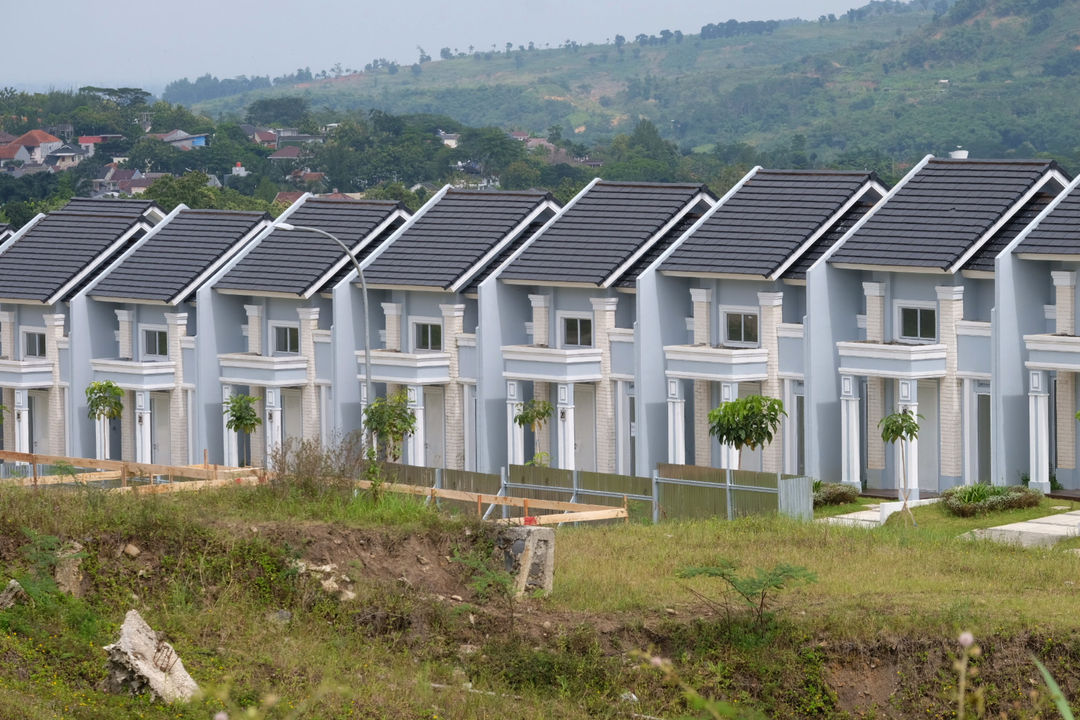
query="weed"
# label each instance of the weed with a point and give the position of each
(757, 590)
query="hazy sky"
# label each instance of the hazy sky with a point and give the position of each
(123, 43)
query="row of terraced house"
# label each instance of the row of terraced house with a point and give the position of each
(634, 309)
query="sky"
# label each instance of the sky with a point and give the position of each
(125, 43)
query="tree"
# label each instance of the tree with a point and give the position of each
(240, 415)
(534, 415)
(287, 111)
(104, 399)
(390, 420)
(749, 422)
(901, 426)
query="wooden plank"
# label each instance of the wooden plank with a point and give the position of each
(133, 469)
(187, 485)
(485, 499)
(605, 514)
(60, 479)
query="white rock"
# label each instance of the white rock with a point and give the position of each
(132, 550)
(68, 572)
(12, 595)
(142, 662)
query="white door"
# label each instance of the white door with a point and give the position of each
(38, 404)
(929, 435)
(160, 435)
(584, 427)
(434, 427)
(293, 424)
(751, 459)
(983, 458)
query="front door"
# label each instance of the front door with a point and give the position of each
(584, 427)
(37, 402)
(982, 460)
(291, 413)
(434, 427)
(929, 435)
(750, 459)
(160, 435)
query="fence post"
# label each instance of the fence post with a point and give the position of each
(656, 496)
(730, 499)
(574, 485)
(33, 468)
(504, 477)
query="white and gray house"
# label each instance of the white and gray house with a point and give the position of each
(424, 304)
(901, 315)
(42, 267)
(557, 323)
(136, 325)
(266, 319)
(720, 314)
(1037, 351)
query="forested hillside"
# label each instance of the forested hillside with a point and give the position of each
(900, 79)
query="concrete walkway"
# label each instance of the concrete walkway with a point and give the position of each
(1040, 532)
(873, 515)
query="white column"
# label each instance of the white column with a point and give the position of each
(144, 419)
(101, 438)
(274, 436)
(309, 395)
(789, 428)
(22, 422)
(363, 407)
(125, 335)
(907, 399)
(255, 329)
(415, 443)
(565, 419)
(178, 411)
(515, 434)
(729, 456)
(849, 431)
(1039, 429)
(541, 325)
(676, 422)
(970, 427)
(229, 439)
(393, 326)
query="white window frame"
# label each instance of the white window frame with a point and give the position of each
(143, 352)
(561, 316)
(23, 332)
(415, 320)
(899, 306)
(722, 311)
(272, 344)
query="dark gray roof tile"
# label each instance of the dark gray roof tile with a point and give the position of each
(1059, 232)
(177, 254)
(765, 221)
(451, 236)
(601, 231)
(292, 261)
(941, 212)
(983, 259)
(106, 206)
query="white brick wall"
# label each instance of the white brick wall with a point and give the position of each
(542, 391)
(454, 402)
(127, 427)
(702, 406)
(178, 415)
(54, 332)
(701, 301)
(875, 387)
(255, 328)
(124, 335)
(541, 320)
(258, 437)
(950, 311)
(1066, 425)
(7, 336)
(772, 314)
(309, 394)
(393, 326)
(603, 322)
(9, 418)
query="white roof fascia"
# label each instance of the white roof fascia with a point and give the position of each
(517, 253)
(363, 243)
(1039, 218)
(1006, 217)
(824, 228)
(217, 264)
(701, 221)
(86, 291)
(465, 277)
(871, 212)
(96, 262)
(374, 254)
(21, 231)
(645, 246)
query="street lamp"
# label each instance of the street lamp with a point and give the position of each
(363, 286)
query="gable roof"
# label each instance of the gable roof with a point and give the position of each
(297, 261)
(34, 138)
(983, 260)
(178, 253)
(941, 211)
(289, 152)
(797, 270)
(5, 138)
(109, 206)
(44, 263)
(12, 151)
(602, 229)
(446, 239)
(5, 231)
(766, 222)
(1058, 232)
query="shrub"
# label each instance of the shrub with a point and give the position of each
(834, 494)
(313, 467)
(971, 500)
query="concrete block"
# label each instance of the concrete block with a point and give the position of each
(528, 554)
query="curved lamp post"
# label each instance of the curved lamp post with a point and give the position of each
(363, 287)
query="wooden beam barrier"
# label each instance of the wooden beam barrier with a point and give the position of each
(469, 497)
(194, 472)
(186, 486)
(610, 513)
(61, 479)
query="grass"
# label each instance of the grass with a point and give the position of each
(933, 519)
(825, 511)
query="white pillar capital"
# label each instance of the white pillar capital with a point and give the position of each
(515, 434)
(676, 405)
(540, 300)
(1063, 278)
(253, 310)
(176, 319)
(949, 292)
(600, 304)
(873, 289)
(700, 295)
(770, 299)
(54, 320)
(850, 470)
(308, 313)
(121, 315)
(391, 308)
(565, 426)
(450, 311)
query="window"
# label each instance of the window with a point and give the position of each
(155, 343)
(918, 324)
(577, 332)
(34, 344)
(286, 339)
(742, 328)
(428, 336)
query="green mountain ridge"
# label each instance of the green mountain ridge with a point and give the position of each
(890, 79)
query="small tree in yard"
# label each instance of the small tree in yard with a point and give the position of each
(240, 415)
(388, 420)
(749, 422)
(535, 414)
(901, 426)
(104, 399)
